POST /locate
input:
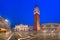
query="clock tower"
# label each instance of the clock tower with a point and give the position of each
(36, 18)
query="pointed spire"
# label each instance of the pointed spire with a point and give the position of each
(36, 9)
(36, 6)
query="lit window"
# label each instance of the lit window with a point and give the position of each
(55, 25)
(48, 25)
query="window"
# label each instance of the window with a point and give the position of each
(48, 25)
(55, 25)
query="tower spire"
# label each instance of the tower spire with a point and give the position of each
(36, 10)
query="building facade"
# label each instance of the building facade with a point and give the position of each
(36, 18)
(4, 26)
(21, 27)
(51, 27)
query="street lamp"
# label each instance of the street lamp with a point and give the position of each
(6, 20)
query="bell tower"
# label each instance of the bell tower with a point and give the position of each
(36, 18)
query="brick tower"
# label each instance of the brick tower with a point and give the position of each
(36, 18)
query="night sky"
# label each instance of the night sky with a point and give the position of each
(21, 11)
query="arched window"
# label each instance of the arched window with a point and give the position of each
(48, 25)
(55, 25)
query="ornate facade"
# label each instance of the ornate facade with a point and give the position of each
(21, 27)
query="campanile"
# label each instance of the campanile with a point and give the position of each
(36, 18)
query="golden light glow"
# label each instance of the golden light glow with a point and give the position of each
(2, 30)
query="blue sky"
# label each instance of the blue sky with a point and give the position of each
(21, 11)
